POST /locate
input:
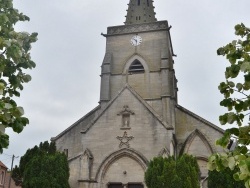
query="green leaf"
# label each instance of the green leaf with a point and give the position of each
(17, 127)
(247, 77)
(221, 51)
(245, 67)
(18, 111)
(223, 119)
(237, 101)
(237, 176)
(4, 141)
(239, 86)
(243, 176)
(8, 106)
(231, 118)
(233, 131)
(231, 84)
(21, 110)
(26, 78)
(239, 106)
(231, 163)
(2, 86)
(14, 59)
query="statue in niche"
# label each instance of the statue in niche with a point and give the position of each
(125, 120)
(125, 113)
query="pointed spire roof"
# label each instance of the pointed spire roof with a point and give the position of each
(140, 11)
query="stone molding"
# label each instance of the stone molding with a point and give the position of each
(136, 28)
(131, 59)
(125, 113)
(164, 151)
(191, 137)
(124, 140)
(86, 164)
(133, 154)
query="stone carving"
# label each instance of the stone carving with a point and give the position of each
(125, 113)
(86, 164)
(137, 28)
(124, 139)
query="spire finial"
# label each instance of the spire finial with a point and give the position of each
(140, 11)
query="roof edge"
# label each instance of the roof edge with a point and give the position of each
(200, 119)
(150, 109)
(76, 123)
(3, 165)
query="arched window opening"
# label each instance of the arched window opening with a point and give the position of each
(139, 2)
(136, 67)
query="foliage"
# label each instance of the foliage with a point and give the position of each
(170, 173)
(223, 179)
(14, 59)
(43, 166)
(236, 90)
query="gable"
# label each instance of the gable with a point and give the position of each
(127, 122)
(128, 96)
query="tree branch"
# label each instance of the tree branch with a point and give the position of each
(3, 52)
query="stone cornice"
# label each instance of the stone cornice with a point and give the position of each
(136, 28)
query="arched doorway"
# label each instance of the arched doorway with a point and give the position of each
(123, 169)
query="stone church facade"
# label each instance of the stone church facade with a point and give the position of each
(138, 116)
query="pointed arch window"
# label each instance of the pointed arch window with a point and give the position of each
(136, 67)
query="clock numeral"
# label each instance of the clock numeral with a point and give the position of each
(136, 40)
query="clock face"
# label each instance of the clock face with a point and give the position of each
(136, 40)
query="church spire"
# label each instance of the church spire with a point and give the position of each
(140, 11)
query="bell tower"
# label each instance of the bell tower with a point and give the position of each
(139, 54)
(140, 11)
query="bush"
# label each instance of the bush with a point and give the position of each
(170, 173)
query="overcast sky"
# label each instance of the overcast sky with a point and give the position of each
(65, 84)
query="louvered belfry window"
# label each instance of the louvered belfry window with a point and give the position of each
(136, 67)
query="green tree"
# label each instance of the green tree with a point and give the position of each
(42, 167)
(236, 90)
(14, 59)
(170, 173)
(223, 179)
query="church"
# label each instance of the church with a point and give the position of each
(138, 116)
